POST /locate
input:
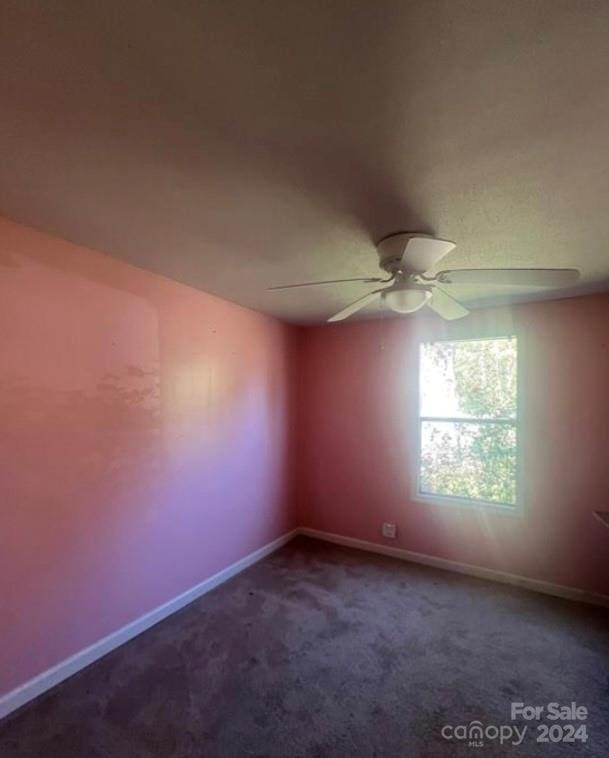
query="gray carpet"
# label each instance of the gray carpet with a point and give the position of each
(325, 651)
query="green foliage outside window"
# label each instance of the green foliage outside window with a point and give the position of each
(468, 405)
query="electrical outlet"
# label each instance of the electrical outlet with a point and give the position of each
(389, 530)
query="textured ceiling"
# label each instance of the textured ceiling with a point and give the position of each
(239, 145)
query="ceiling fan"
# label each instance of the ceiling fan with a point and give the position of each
(407, 257)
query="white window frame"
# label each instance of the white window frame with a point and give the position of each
(453, 500)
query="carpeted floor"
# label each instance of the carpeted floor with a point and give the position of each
(324, 651)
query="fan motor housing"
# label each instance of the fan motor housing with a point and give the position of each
(391, 249)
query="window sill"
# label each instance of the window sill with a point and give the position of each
(477, 505)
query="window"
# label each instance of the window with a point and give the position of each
(467, 421)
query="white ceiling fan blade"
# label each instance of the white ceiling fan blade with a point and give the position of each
(362, 302)
(368, 279)
(526, 277)
(445, 305)
(422, 253)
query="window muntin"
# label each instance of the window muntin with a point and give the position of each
(467, 428)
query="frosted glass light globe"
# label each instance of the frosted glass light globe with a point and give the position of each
(406, 300)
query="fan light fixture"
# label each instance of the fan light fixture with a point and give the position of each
(406, 300)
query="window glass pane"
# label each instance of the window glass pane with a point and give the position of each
(469, 460)
(469, 379)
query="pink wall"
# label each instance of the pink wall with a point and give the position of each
(144, 443)
(148, 437)
(357, 409)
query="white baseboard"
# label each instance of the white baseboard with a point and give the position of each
(49, 678)
(537, 585)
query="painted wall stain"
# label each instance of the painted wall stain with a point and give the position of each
(143, 443)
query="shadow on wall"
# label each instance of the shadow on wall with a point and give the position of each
(38, 422)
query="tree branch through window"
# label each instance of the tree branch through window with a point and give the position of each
(467, 420)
